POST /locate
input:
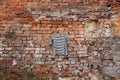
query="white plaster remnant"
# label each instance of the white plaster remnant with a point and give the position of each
(68, 78)
(37, 55)
(29, 48)
(37, 50)
(39, 62)
(107, 32)
(31, 44)
(56, 14)
(14, 62)
(90, 30)
(93, 76)
(95, 30)
(111, 71)
(40, 18)
(1, 47)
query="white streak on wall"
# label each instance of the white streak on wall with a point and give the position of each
(14, 62)
(31, 44)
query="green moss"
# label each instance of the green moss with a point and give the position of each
(10, 34)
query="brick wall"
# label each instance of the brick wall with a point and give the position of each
(26, 27)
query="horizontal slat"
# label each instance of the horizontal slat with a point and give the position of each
(59, 41)
(58, 49)
(59, 44)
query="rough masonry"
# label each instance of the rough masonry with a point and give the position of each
(93, 27)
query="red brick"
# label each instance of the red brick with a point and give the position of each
(24, 0)
(34, 23)
(13, 4)
(46, 1)
(43, 4)
(35, 28)
(80, 29)
(4, 14)
(15, 0)
(67, 0)
(66, 22)
(64, 4)
(68, 29)
(116, 22)
(34, 0)
(42, 41)
(45, 22)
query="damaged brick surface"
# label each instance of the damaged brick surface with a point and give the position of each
(93, 27)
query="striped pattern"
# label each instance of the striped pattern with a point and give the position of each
(59, 43)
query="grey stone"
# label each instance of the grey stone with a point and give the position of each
(111, 71)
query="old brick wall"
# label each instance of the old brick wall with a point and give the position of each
(26, 27)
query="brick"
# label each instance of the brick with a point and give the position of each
(13, 4)
(45, 22)
(24, 0)
(35, 28)
(64, 4)
(80, 29)
(18, 8)
(32, 5)
(39, 19)
(43, 4)
(4, 14)
(34, 0)
(15, 1)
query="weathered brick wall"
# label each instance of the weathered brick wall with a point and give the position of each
(26, 27)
